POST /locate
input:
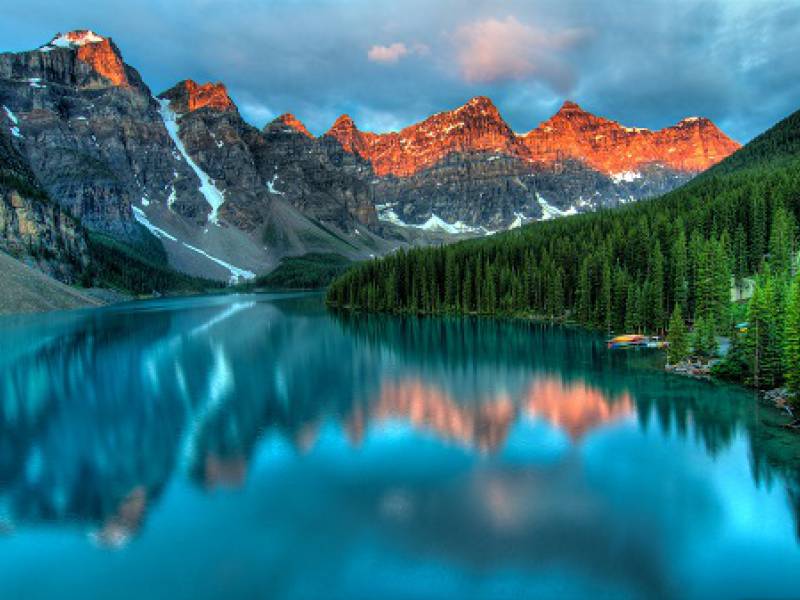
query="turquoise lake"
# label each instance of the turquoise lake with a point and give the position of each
(261, 446)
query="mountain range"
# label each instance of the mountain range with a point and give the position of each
(89, 154)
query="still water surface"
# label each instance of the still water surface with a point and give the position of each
(261, 447)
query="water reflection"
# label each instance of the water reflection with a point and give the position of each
(100, 411)
(575, 407)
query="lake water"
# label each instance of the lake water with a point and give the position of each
(262, 447)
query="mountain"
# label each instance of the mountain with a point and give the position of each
(181, 181)
(466, 171)
(691, 146)
(183, 171)
(617, 270)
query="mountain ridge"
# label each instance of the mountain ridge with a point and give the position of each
(479, 126)
(225, 198)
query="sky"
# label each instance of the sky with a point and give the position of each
(390, 63)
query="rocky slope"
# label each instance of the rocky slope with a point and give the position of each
(184, 168)
(32, 227)
(27, 290)
(277, 185)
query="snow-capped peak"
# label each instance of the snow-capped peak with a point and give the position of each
(75, 39)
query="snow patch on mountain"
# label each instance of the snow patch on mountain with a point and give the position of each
(236, 273)
(142, 219)
(519, 221)
(625, 176)
(74, 39)
(434, 223)
(14, 129)
(271, 186)
(553, 212)
(210, 192)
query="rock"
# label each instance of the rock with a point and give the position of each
(34, 228)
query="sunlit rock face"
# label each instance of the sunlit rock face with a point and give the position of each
(292, 122)
(476, 126)
(466, 170)
(189, 96)
(691, 146)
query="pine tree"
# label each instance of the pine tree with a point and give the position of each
(678, 349)
(632, 321)
(764, 342)
(656, 308)
(781, 243)
(680, 268)
(704, 342)
(583, 305)
(604, 308)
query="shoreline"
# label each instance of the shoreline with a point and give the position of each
(693, 370)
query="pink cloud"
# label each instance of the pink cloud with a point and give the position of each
(494, 50)
(387, 54)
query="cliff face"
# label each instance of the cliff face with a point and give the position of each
(253, 169)
(32, 227)
(92, 134)
(320, 180)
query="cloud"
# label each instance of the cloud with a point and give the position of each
(387, 54)
(493, 50)
(393, 53)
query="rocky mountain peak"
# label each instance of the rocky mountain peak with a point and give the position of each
(188, 96)
(207, 95)
(571, 115)
(691, 146)
(570, 107)
(292, 122)
(75, 39)
(345, 131)
(479, 105)
(97, 51)
(343, 123)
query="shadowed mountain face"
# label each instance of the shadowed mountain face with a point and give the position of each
(228, 201)
(32, 226)
(184, 168)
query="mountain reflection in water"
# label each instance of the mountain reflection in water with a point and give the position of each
(102, 412)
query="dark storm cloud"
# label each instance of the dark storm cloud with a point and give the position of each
(389, 63)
